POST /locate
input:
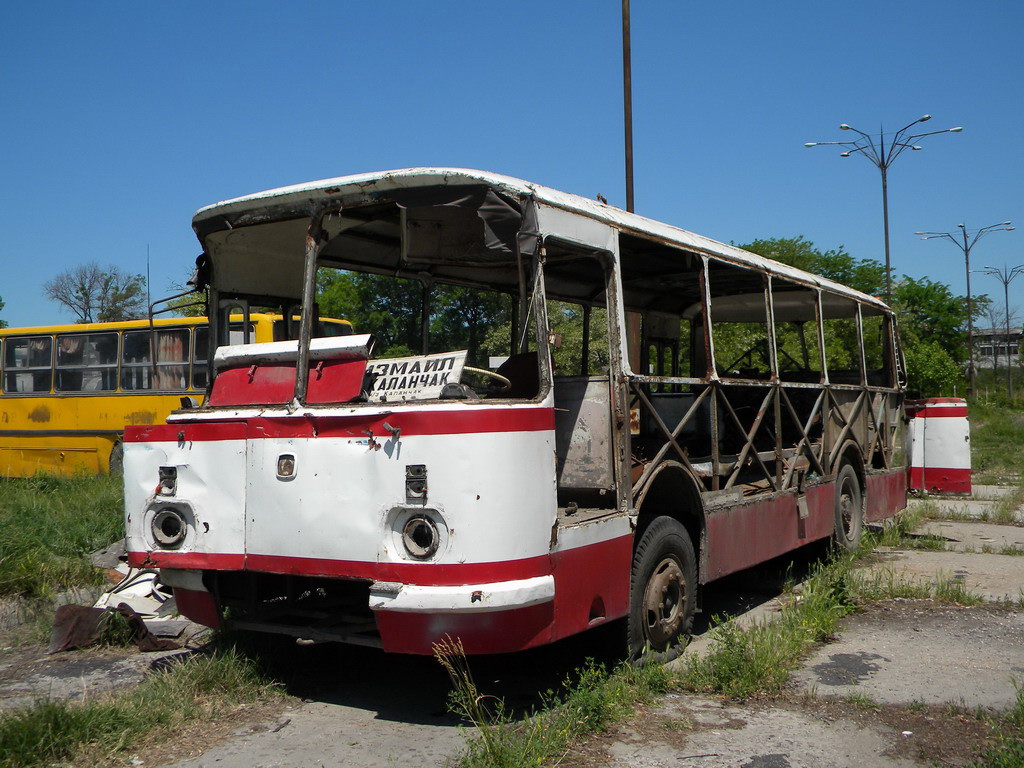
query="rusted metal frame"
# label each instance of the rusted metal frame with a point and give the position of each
(854, 415)
(710, 372)
(739, 424)
(671, 435)
(773, 362)
(426, 287)
(804, 439)
(315, 241)
(585, 351)
(826, 411)
(882, 437)
(618, 384)
(860, 344)
(669, 380)
(742, 457)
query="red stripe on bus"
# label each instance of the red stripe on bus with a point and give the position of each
(196, 561)
(426, 574)
(535, 419)
(168, 433)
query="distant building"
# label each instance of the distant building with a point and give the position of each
(991, 345)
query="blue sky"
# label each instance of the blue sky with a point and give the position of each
(121, 119)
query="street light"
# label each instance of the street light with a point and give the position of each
(1005, 276)
(882, 156)
(969, 238)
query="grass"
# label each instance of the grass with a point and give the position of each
(757, 659)
(112, 725)
(587, 703)
(997, 443)
(48, 526)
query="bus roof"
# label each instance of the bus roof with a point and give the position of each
(298, 200)
(128, 325)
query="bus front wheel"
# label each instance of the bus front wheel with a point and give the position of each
(662, 592)
(849, 509)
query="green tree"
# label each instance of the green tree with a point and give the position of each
(932, 319)
(3, 323)
(99, 294)
(460, 318)
(864, 275)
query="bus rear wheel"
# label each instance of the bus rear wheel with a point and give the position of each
(662, 592)
(849, 509)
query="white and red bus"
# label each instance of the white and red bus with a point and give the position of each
(637, 412)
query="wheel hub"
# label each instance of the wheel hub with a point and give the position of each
(664, 602)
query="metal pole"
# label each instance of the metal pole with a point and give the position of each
(970, 319)
(885, 217)
(627, 95)
(1009, 367)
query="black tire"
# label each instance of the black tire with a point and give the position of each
(662, 594)
(117, 459)
(849, 509)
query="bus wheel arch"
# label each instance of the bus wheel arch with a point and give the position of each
(673, 492)
(850, 498)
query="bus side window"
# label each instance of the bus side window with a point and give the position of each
(172, 358)
(86, 362)
(136, 370)
(27, 364)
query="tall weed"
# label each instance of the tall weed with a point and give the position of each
(48, 525)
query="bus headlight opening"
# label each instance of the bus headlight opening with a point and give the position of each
(420, 537)
(169, 528)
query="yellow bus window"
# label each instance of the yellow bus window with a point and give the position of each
(27, 364)
(86, 362)
(172, 354)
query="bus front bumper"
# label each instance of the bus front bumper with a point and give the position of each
(497, 617)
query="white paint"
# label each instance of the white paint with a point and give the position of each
(469, 598)
(211, 477)
(940, 442)
(355, 347)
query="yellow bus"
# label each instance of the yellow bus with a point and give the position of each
(67, 391)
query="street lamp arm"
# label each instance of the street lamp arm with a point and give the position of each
(935, 235)
(934, 133)
(922, 119)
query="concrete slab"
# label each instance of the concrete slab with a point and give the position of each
(323, 734)
(993, 577)
(734, 736)
(899, 652)
(975, 536)
(992, 491)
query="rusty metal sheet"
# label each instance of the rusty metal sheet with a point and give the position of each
(583, 434)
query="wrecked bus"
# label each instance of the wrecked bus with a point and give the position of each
(635, 412)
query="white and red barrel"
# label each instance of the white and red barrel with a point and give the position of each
(940, 446)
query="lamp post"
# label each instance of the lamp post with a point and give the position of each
(965, 240)
(1005, 276)
(882, 155)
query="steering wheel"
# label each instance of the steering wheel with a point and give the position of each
(505, 384)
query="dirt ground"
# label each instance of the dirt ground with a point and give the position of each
(906, 683)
